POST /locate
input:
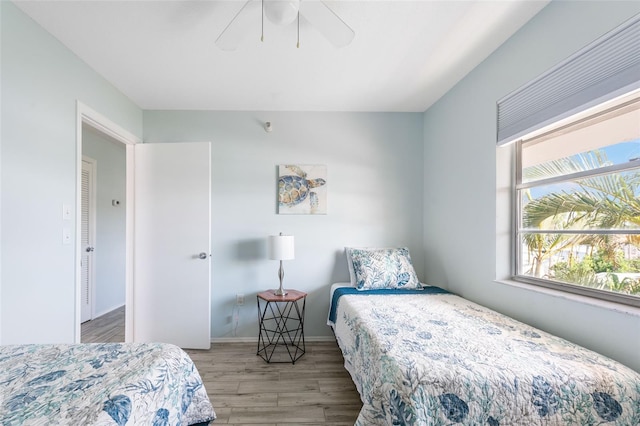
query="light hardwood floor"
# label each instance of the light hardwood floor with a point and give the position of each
(106, 328)
(245, 390)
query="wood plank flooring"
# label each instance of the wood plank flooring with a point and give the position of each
(245, 390)
(106, 328)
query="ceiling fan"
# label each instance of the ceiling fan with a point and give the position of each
(285, 12)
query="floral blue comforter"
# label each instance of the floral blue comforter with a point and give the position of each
(101, 384)
(438, 359)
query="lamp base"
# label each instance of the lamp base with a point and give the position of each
(280, 292)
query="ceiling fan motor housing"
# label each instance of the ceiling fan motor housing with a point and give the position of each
(281, 12)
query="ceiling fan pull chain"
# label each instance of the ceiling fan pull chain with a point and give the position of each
(298, 45)
(262, 29)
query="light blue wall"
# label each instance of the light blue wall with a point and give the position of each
(109, 256)
(376, 194)
(41, 81)
(374, 166)
(460, 200)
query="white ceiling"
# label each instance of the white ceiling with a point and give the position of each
(162, 55)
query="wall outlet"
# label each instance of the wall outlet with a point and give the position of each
(239, 299)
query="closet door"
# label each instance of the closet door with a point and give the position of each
(87, 237)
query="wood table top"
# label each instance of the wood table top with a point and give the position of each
(291, 296)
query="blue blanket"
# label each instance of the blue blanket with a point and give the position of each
(342, 291)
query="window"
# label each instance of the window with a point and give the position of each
(578, 203)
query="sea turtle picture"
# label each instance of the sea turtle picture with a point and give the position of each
(297, 191)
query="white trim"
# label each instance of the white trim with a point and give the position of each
(106, 126)
(599, 303)
(129, 225)
(89, 116)
(93, 207)
(108, 310)
(310, 339)
(606, 170)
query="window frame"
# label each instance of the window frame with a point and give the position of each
(517, 209)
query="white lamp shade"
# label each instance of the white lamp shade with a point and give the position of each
(281, 247)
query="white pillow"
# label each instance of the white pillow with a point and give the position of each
(352, 274)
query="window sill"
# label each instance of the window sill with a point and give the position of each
(603, 304)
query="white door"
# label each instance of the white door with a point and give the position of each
(87, 237)
(172, 264)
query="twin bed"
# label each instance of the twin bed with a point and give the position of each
(423, 356)
(433, 358)
(101, 384)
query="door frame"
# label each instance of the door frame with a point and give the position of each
(92, 232)
(90, 117)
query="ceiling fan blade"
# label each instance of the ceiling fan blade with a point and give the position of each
(327, 22)
(236, 31)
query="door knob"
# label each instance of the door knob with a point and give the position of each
(89, 249)
(203, 255)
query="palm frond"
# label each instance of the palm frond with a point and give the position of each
(568, 165)
(604, 201)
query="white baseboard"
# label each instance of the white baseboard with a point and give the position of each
(309, 339)
(106, 311)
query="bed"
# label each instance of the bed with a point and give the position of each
(101, 384)
(428, 357)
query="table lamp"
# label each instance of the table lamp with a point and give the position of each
(281, 248)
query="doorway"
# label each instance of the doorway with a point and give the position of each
(193, 265)
(108, 290)
(102, 248)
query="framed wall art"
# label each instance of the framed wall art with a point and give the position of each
(302, 189)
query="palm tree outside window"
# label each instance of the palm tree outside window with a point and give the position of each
(578, 203)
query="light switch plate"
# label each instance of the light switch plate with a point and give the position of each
(66, 212)
(66, 236)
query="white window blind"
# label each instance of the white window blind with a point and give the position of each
(603, 70)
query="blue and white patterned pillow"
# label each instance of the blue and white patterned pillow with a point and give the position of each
(383, 268)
